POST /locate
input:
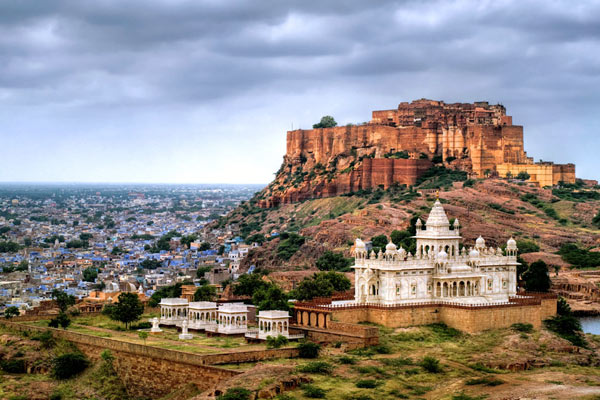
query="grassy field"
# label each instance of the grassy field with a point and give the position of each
(102, 326)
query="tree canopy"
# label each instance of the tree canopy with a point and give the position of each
(90, 274)
(205, 293)
(247, 284)
(128, 309)
(332, 261)
(167, 291)
(321, 284)
(63, 300)
(327, 121)
(270, 297)
(537, 278)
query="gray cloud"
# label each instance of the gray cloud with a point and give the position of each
(71, 66)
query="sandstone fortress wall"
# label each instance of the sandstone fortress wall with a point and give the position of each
(478, 138)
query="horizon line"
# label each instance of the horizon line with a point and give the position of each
(122, 183)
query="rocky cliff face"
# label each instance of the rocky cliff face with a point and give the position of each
(396, 147)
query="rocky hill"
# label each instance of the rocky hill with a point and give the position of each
(399, 146)
(493, 208)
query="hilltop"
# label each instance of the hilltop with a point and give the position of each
(402, 146)
(493, 208)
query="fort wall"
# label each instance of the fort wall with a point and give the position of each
(474, 137)
(466, 318)
(152, 372)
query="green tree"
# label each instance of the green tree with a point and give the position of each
(204, 246)
(205, 293)
(247, 284)
(322, 284)
(11, 312)
(327, 121)
(186, 240)
(150, 263)
(128, 309)
(331, 261)
(527, 246)
(85, 237)
(116, 251)
(379, 242)
(165, 292)
(596, 219)
(523, 175)
(90, 274)
(537, 278)
(143, 335)
(203, 270)
(63, 300)
(270, 298)
(256, 238)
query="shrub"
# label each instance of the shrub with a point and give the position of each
(346, 360)
(276, 342)
(235, 393)
(308, 350)
(316, 367)
(332, 261)
(289, 245)
(431, 364)
(382, 349)
(46, 339)
(14, 366)
(396, 362)
(68, 365)
(521, 327)
(568, 327)
(313, 392)
(367, 384)
(482, 368)
(486, 380)
(142, 325)
(527, 246)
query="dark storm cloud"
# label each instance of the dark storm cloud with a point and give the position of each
(113, 54)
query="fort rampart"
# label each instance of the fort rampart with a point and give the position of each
(153, 372)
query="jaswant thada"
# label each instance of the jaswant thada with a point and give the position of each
(438, 270)
(468, 289)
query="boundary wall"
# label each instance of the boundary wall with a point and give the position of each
(152, 372)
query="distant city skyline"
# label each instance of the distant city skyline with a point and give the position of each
(190, 92)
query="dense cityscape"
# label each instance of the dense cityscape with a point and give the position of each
(96, 241)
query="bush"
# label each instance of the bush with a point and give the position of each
(346, 360)
(276, 342)
(567, 327)
(486, 380)
(331, 261)
(46, 339)
(521, 327)
(68, 365)
(235, 393)
(396, 362)
(431, 364)
(527, 246)
(289, 245)
(316, 367)
(367, 384)
(14, 366)
(308, 350)
(313, 392)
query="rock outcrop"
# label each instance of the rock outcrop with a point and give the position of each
(397, 146)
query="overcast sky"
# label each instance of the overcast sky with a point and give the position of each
(204, 91)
